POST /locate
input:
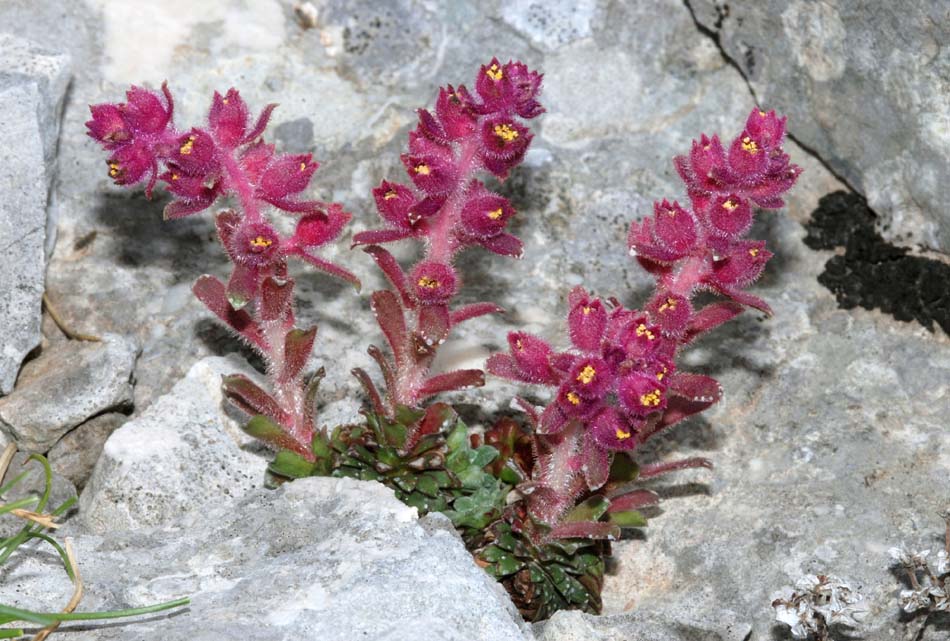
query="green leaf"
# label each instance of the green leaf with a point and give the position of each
(427, 485)
(291, 465)
(630, 518)
(590, 510)
(623, 470)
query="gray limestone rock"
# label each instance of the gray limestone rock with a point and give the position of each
(74, 456)
(67, 384)
(32, 87)
(178, 456)
(865, 85)
(320, 558)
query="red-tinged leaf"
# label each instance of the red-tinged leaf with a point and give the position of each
(374, 399)
(376, 236)
(277, 299)
(451, 381)
(262, 428)
(504, 245)
(227, 222)
(393, 272)
(310, 397)
(595, 464)
(633, 501)
(649, 471)
(745, 298)
(260, 125)
(434, 323)
(392, 321)
(586, 530)
(242, 286)
(330, 268)
(438, 417)
(530, 409)
(389, 375)
(710, 317)
(305, 207)
(697, 388)
(181, 208)
(504, 366)
(467, 312)
(297, 346)
(211, 291)
(251, 399)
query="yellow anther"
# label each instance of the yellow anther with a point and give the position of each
(573, 398)
(495, 214)
(389, 195)
(643, 331)
(506, 132)
(114, 169)
(422, 169)
(303, 166)
(587, 375)
(261, 242)
(761, 113)
(670, 305)
(494, 72)
(428, 283)
(650, 399)
(621, 435)
(174, 176)
(749, 145)
(586, 310)
(186, 149)
(224, 101)
(729, 205)
(753, 252)
(661, 374)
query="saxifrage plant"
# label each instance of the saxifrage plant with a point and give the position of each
(537, 504)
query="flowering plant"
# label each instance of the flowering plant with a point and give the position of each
(536, 506)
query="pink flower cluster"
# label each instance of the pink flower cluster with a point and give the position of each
(448, 209)
(226, 158)
(619, 385)
(704, 246)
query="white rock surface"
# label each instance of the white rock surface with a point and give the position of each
(67, 384)
(319, 559)
(181, 454)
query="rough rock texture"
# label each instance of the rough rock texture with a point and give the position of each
(32, 86)
(67, 384)
(74, 456)
(327, 559)
(181, 454)
(817, 398)
(865, 85)
(646, 625)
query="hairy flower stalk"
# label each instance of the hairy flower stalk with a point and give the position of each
(619, 386)
(228, 159)
(448, 209)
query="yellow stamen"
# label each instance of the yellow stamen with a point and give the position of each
(761, 113)
(650, 399)
(186, 149)
(506, 132)
(753, 252)
(494, 72)
(586, 310)
(389, 195)
(621, 435)
(428, 283)
(224, 101)
(261, 242)
(729, 205)
(670, 304)
(749, 145)
(114, 169)
(422, 169)
(303, 166)
(174, 176)
(643, 331)
(587, 375)
(573, 398)
(495, 214)
(661, 374)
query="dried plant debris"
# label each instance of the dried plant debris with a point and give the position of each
(873, 273)
(816, 604)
